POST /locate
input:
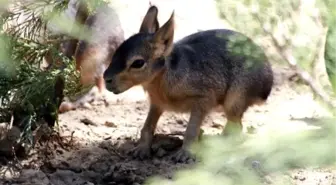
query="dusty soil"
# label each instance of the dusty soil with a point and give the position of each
(95, 152)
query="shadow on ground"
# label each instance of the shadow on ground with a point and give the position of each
(105, 162)
(95, 152)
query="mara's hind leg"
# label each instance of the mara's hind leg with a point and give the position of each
(89, 63)
(237, 101)
(102, 92)
(235, 104)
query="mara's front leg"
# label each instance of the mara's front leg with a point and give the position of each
(143, 150)
(191, 135)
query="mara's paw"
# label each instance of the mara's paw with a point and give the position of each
(140, 152)
(183, 156)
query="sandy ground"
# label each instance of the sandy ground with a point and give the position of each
(96, 152)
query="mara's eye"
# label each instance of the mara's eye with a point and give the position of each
(138, 63)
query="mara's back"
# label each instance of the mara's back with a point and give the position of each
(106, 33)
(217, 59)
(219, 49)
(105, 25)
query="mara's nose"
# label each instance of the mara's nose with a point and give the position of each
(111, 86)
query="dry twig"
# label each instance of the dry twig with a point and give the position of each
(288, 56)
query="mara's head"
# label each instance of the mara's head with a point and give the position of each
(141, 57)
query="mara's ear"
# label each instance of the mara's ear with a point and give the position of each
(150, 24)
(163, 38)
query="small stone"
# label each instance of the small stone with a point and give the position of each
(256, 164)
(180, 122)
(302, 178)
(110, 124)
(156, 162)
(88, 183)
(87, 105)
(66, 106)
(33, 177)
(191, 161)
(161, 152)
(251, 130)
(217, 124)
(3, 129)
(88, 122)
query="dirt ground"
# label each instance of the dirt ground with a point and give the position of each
(96, 154)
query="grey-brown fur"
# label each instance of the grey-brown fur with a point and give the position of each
(106, 34)
(196, 74)
(94, 54)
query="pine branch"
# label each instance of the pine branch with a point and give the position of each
(29, 18)
(29, 92)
